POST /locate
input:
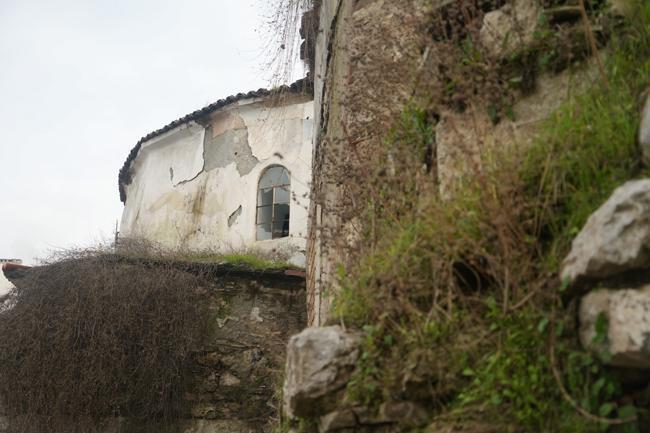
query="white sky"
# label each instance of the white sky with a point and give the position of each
(82, 80)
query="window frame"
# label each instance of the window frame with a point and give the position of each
(273, 204)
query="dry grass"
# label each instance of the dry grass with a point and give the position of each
(283, 19)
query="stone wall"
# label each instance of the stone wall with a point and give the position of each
(237, 373)
(367, 56)
(609, 263)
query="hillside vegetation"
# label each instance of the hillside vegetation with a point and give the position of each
(459, 295)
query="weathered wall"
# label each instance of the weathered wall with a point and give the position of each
(367, 56)
(196, 186)
(237, 372)
(317, 262)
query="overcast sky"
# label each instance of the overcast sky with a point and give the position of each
(82, 80)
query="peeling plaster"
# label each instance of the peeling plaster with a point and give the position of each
(232, 219)
(224, 149)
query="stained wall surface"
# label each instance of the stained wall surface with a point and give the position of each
(195, 187)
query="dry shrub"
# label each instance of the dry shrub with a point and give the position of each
(290, 35)
(92, 335)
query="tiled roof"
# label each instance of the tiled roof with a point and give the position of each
(304, 85)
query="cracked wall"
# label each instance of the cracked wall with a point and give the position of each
(195, 187)
(230, 147)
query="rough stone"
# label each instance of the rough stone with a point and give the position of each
(204, 410)
(628, 325)
(404, 411)
(319, 364)
(211, 383)
(254, 315)
(615, 238)
(229, 380)
(510, 28)
(644, 130)
(337, 420)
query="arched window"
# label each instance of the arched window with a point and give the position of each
(273, 195)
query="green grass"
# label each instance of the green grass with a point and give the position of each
(588, 147)
(249, 258)
(254, 262)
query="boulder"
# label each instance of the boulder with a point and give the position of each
(319, 364)
(627, 329)
(644, 130)
(510, 28)
(615, 238)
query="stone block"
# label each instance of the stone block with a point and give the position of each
(628, 325)
(615, 238)
(337, 421)
(319, 364)
(510, 28)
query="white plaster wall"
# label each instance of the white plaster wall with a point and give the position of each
(5, 285)
(190, 209)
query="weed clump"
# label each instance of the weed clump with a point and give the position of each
(92, 336)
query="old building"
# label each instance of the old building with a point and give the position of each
(232, 176)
